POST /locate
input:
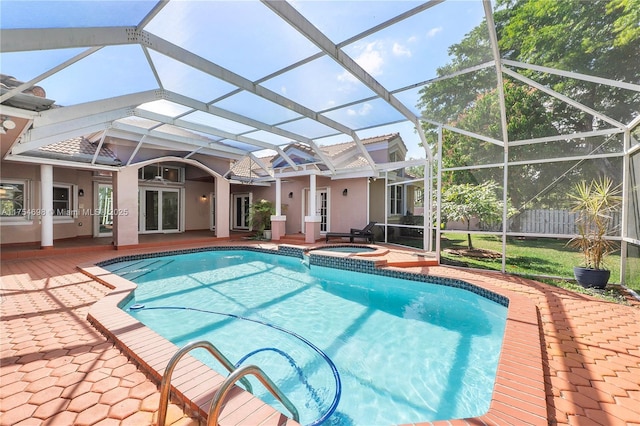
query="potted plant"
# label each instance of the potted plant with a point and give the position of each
(594, 204)
(260, 218)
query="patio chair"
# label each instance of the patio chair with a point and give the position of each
(365, 233)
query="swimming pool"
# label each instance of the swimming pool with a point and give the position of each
(437, 359)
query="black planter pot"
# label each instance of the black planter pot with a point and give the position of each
(594, 278)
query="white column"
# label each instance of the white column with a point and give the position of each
(278, 221)
(125, 207)
(312, 195)
(46, 206)
(312, 222)
(278, 196)
(223, 189)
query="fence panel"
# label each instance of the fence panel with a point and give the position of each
(548, 221)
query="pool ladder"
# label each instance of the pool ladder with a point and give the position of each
(236, 374)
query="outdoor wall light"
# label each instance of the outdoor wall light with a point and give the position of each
(81, 192)
(203, 197)
(344, 192)
(7, 124)
(291, 195)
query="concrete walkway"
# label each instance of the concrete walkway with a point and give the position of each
(56, 369)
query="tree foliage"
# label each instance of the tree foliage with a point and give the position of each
(464, 202)
(598, 37)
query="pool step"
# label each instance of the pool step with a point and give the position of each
(408, 260)
(385, 257)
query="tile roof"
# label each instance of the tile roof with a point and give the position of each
(32, 98)
(337, 149)
(241, 168)
(77, 149)
(9, 82)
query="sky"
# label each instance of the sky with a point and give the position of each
(248, 39)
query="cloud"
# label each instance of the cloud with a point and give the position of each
(283, 90)
(400, 50)
(364, 110)
(433, 31)
(370, 59)
(412, 39)
(346, 77)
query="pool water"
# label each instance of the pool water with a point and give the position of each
(405, 351)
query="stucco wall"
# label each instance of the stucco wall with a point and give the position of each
(197, 210)
(348, 211)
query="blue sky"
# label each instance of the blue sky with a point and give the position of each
(249, 39)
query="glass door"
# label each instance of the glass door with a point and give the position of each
(241, 203)
(170, 200)
(104, 218)
(160, 210)
(322, 208)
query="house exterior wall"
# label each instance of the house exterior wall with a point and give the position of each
(377, 201)
(82, 225)
(348, 211)
(291, 207)
(197, 211)
(12, 232)
(378, 152)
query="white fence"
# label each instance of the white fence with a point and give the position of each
(551, 222)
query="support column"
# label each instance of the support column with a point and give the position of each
(312, 222)
(223, 189)
(125, 207)
(46, 206)
(278, 221)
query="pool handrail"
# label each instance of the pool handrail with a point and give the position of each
(165, 384)
(238, 374)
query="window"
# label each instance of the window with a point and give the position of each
(65, 203)
(395, 202)
(419, 197)
(61, 200)
(161, 174)
(13, 199)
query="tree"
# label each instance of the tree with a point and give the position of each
(465, 202)
(599, 37)
(575, 35)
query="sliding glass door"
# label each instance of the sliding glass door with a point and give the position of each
(159, 210)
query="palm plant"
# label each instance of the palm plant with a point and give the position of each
(595, 203)
(260, 216)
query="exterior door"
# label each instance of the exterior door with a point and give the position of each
(160, 210)
(241, 203)
(103, 220)
(322, 208)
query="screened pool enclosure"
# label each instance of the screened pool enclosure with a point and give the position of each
(516, 99)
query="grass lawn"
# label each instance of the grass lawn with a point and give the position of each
(527, 257)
